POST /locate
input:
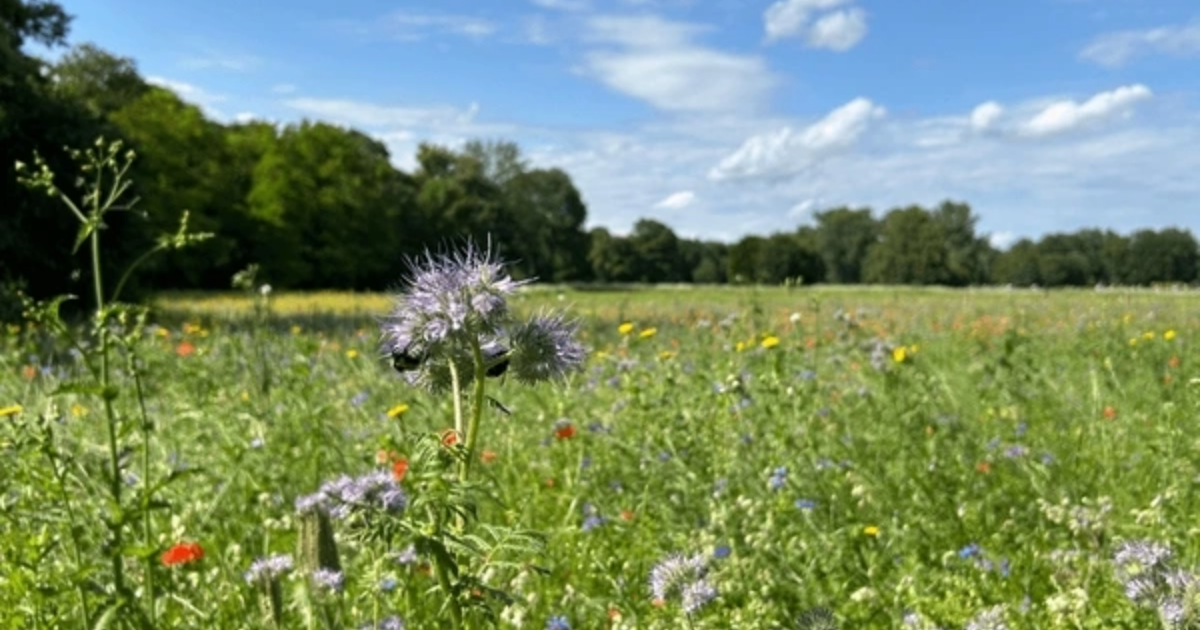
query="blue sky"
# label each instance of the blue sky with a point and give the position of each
(728, 117)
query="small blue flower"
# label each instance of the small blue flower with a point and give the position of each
(722, 551)
(970, 551)
(805, 504)
(387, 584)
(558, 622)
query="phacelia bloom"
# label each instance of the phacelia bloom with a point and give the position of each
(270, 568)
(329, 580)
(391, 623)
(344, 495)
(696, 595)
(558, 622)
(544, 348)
(819, 618)
(182, 553)
(990, 619)
(674, 574)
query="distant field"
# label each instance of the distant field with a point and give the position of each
(935, 454)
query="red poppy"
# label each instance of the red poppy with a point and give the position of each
(983, 467)
(182, 553)
(399, 469)
(185, 348)
(1110, 412)
(565, 432)
(488, 456)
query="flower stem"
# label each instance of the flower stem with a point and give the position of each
(472, 436)
(456, 386)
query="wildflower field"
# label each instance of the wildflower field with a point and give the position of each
(733, 458)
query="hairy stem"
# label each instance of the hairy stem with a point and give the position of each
(477, 400)
(147, 517)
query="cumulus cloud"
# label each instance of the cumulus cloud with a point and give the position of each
(677, 201)
(986, 115)
(1115, 49)
(193, 94)
(371, 115)
(1062, 116)
(657, 61)
(835, 30)
(787, 152)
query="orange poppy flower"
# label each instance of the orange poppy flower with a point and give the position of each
(185, 348)
(182, 553)
(488, 456)
(399, 469)
(565, 432)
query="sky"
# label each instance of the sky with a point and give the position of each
(723, 118)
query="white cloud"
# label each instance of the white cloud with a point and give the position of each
(412, 26)
(677, 201)
(563, 5)
(1115, 49)
(223, 61)
(1001, 240)
(283, 88)
(245, 117)
(1062, 116)
(785, 152)
(986, 115)
(655, 60)
(371, 115)
(837, 30)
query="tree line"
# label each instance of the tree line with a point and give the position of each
(316, 205)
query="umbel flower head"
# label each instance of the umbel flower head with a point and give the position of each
(453, 307)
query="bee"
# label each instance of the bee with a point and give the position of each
(406, 361)
(496, 356)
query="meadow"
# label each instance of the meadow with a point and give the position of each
(899, 458)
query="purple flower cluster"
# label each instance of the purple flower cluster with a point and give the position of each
(453, 304)
(1151, 580)
(269, 568)
(340, 497)
(683, 576)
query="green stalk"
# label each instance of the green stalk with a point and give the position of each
(76, 545)
(109, 413)
(456, 386)
(147, 518)
(472, 436)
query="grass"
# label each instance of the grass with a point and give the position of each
(998, 461)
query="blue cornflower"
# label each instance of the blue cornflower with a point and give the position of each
(805, 504)
(778, 478)
(592, 521)
(388, 584)
(558, 622)
(969, 551)
(359, 399)
(722, 552)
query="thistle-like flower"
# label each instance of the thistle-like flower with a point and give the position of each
(685, 577)
(453, 305)
(269, 569)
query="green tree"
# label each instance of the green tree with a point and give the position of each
(342, 215)
(1018, 266)
(911, 249)
(967, 254)
(98, 80)
(658, 252)
(744, 258)
(613, 258)
(550, 214)
(843, 238)
(783, 257)
(1168, 255)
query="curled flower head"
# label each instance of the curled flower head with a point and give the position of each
(329, 580)
(544, 348)
(696, 595)
(269, 568)
(675, 573)
(449, 299)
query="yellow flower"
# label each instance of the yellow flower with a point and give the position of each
(648, 333)
(900, 355)
(163, 332)
(1133, 342)
(397, 411)
(770, 341)
(1169, 335)
(666, 354)
(1148, 335)
(1127, 318)
(78, 410)
(191, 329)
(601, 354)
(625, 328)
(871, 530)
(913, 349)
(741, 345)
(245, 396)
(351, 354)
(10, 410)
(296, 330)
